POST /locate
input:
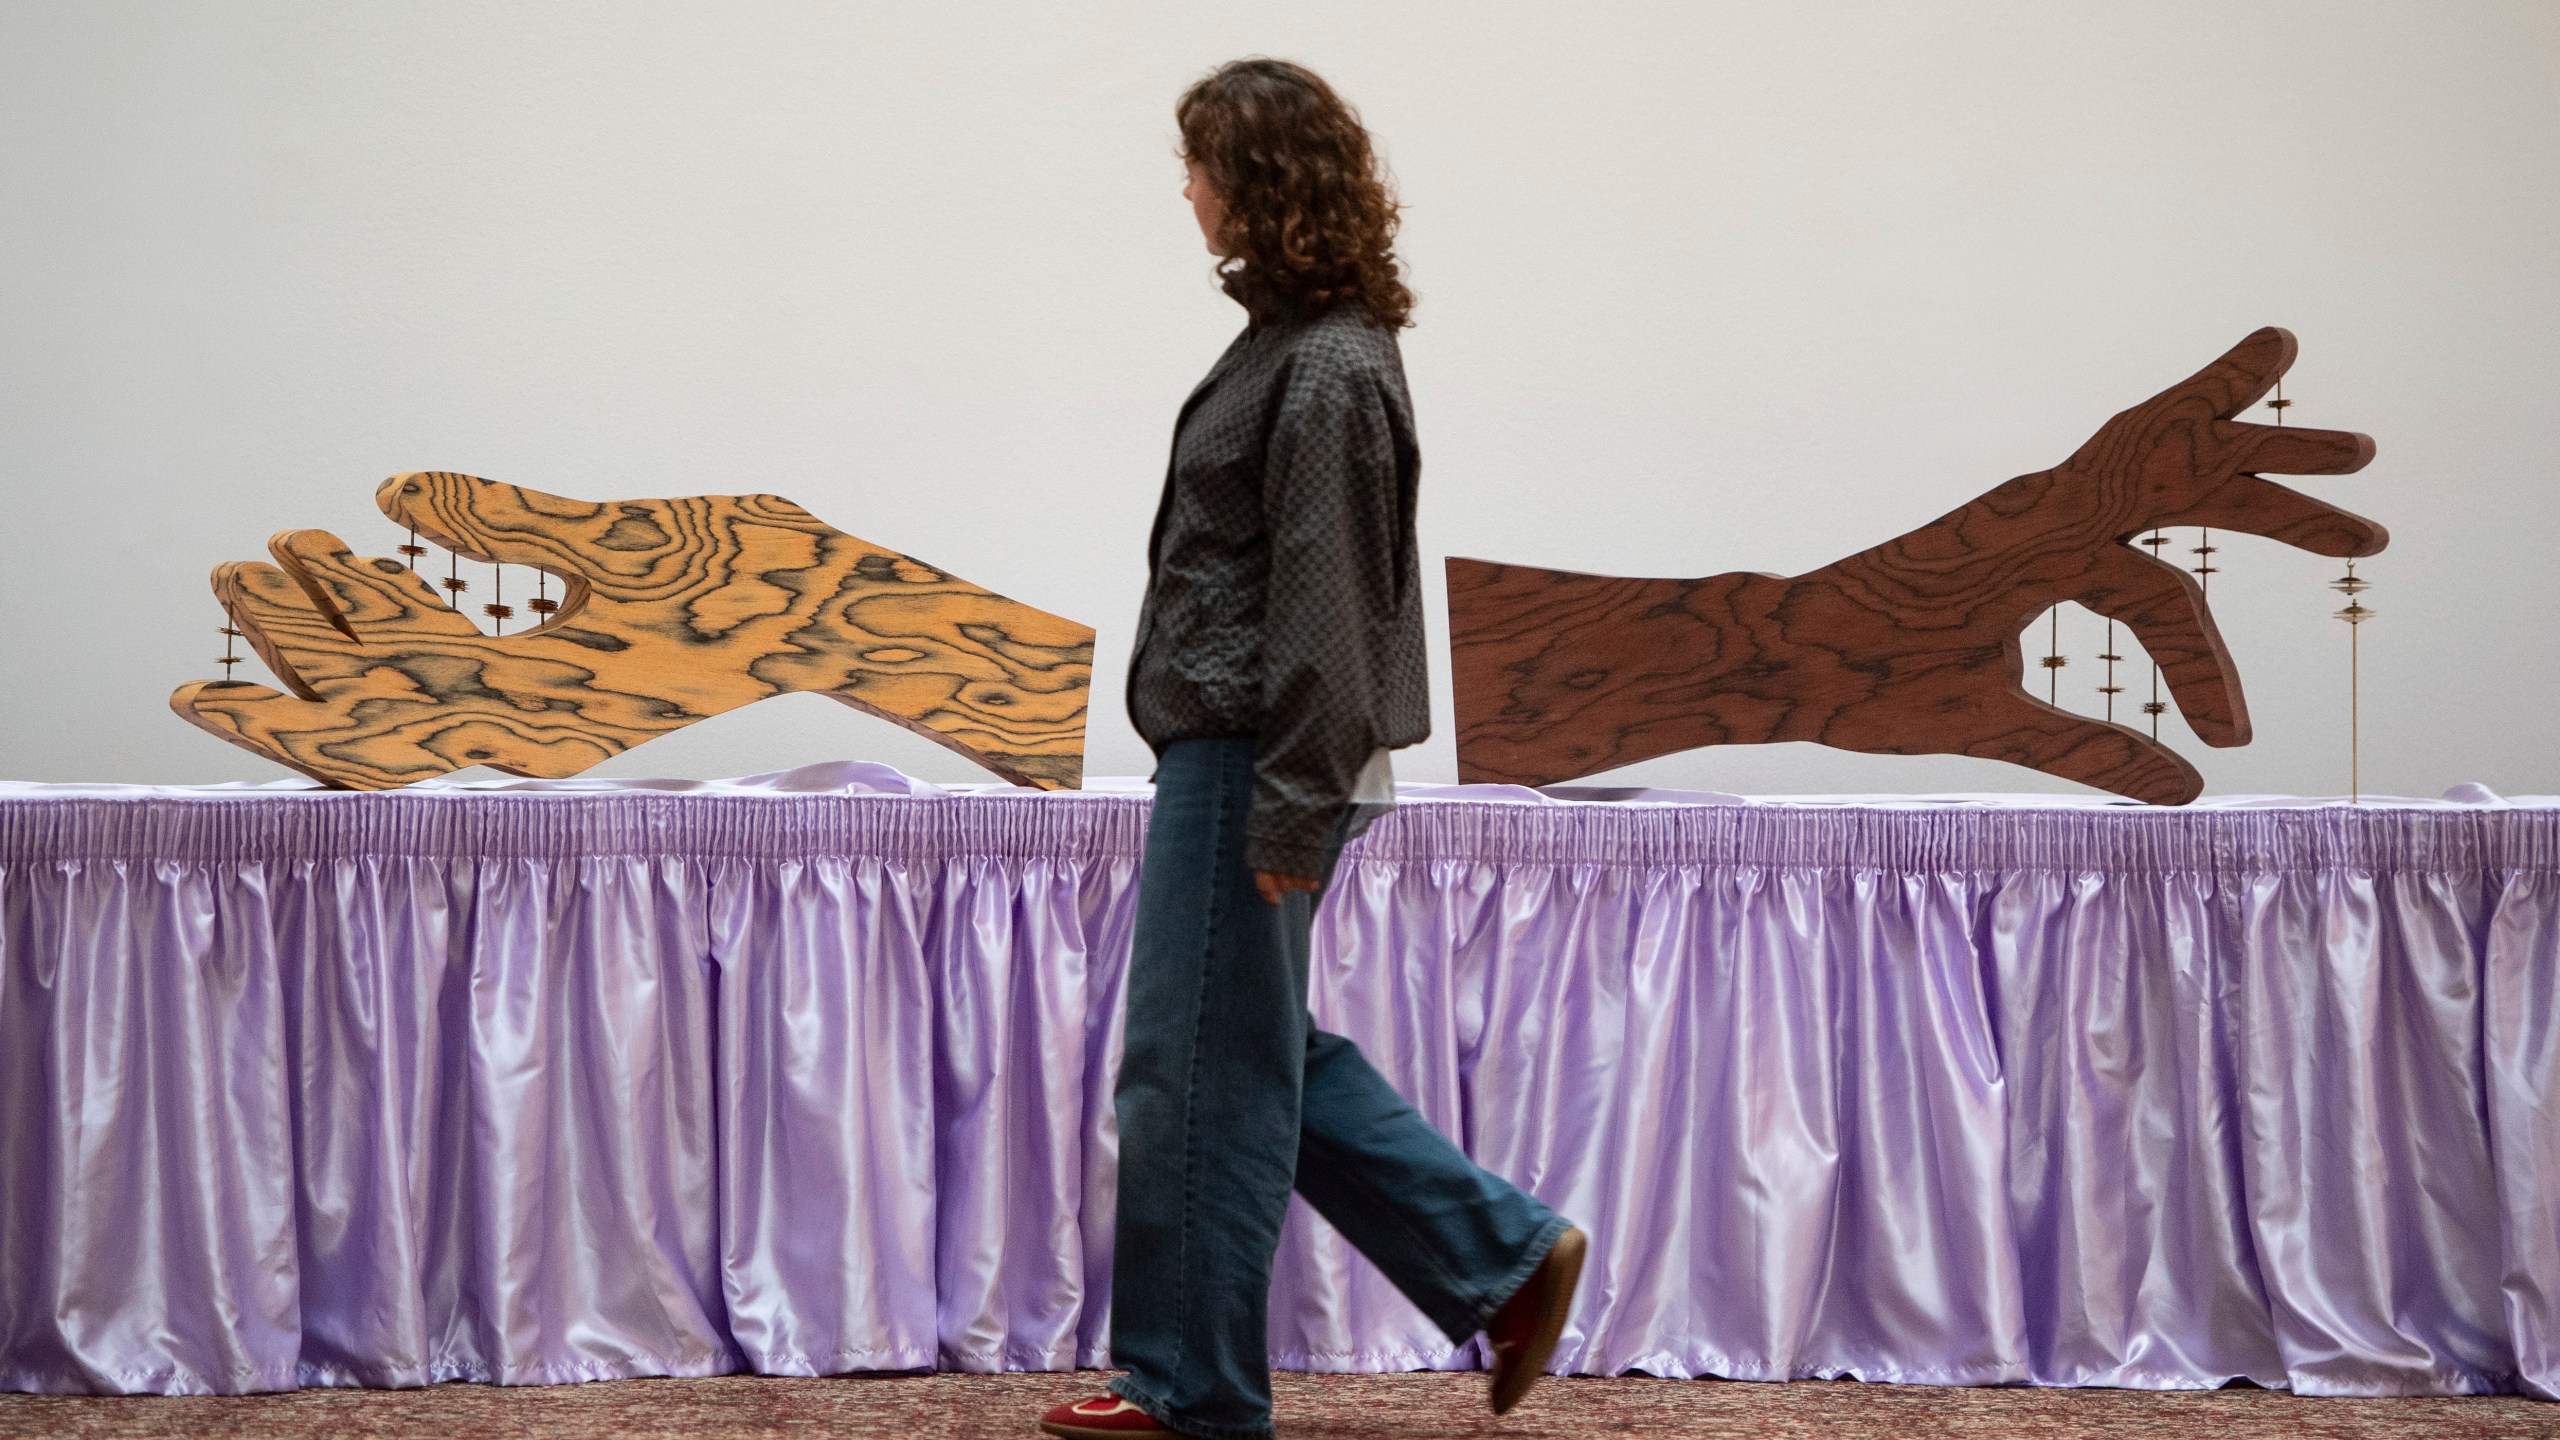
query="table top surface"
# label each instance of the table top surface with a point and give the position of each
(860, 812)
(869, 778)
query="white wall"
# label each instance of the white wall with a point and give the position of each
(1704, 287)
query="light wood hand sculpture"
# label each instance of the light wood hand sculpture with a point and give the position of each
(1912, 648)
(671, 611)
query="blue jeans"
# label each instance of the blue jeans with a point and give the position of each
(1229, 1096)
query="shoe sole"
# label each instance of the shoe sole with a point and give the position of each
(1529, 1362)
(1095, 1432)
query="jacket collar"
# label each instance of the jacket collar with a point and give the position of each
(1235, 353)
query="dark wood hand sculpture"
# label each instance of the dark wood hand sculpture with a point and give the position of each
(1912, 648)
(672, 611)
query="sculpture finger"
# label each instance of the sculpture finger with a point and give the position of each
(324, 614)
(2293, 449)
(364, 595)
(2023, 730)
(625, 551)
(511, 525)
(2241, 376)
(308, 616)
(2160, 448)
(2256, 506)
(2181, 456)
(222, 709)
(378, 729)
(2167, 613)
(287, 629)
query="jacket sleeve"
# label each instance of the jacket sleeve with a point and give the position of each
(1330, 508)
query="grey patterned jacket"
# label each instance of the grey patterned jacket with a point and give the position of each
(1284, 596)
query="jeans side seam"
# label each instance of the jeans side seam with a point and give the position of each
(1191, 1086)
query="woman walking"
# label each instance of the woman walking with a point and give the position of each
(1279, 658)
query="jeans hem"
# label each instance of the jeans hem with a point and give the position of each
(1548, 1235)
(1164, 1414)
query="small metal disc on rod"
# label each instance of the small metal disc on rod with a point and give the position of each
(2054, 661)
(2111, 689)
(230, 655)
(413, 550)
(498, 609)
(453, 582)
(541, 604)
(2356, 613)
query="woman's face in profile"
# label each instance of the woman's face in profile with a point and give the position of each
(1205, 205)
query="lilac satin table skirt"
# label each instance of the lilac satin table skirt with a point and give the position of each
(531, 1083)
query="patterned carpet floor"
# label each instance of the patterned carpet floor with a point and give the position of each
(1333, 1407)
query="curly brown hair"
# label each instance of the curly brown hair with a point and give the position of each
(1310, 215)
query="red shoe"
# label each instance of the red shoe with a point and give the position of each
(1105, 1417)
(1523, 1332)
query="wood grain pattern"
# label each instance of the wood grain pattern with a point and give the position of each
(673, 611)
(1912, 648)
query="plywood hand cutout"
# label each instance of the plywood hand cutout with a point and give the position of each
(1912, 648)
(671, 611)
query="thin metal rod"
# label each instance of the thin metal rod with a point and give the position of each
(2153, 709)
(2353, 587)
(2110, 687)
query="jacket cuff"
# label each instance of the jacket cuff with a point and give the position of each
(1283, 857)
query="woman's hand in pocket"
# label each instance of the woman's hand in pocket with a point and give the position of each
(1273, 885)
